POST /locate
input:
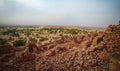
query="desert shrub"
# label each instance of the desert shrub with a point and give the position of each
(73, 31)
(9, 31)
(19, 42)
(12, 31)
(16, 34)
(85, 32)
(33, 40)
(3, 41)
(28, 34)
(43, 38)
(61, 34)
(11, 39)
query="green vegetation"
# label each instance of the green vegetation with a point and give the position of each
(73, 31)
(41, 34)
(33, 40)
(3, 41)
(43, 38)
(85, 32)
(9, 31)
(28, 34)
(13, 32)
(52, 30)
(19, 42)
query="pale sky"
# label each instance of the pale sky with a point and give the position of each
(91, 13)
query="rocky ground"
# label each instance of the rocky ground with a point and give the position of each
(92, 52)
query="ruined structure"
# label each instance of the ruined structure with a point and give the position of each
(92, 52)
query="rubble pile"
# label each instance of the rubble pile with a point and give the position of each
(91, 52)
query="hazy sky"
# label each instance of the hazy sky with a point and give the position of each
(93, 13)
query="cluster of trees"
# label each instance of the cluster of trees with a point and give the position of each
(69, 31)
(73, 31)
(52, 30)
(43, 38)
(28, 33)
(13, 32)
(3, 41)
(19, 42)
(33, 40)
(16, 43)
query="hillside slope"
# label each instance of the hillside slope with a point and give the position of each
(92, 52)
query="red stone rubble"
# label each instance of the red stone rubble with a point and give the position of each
(92, 52)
